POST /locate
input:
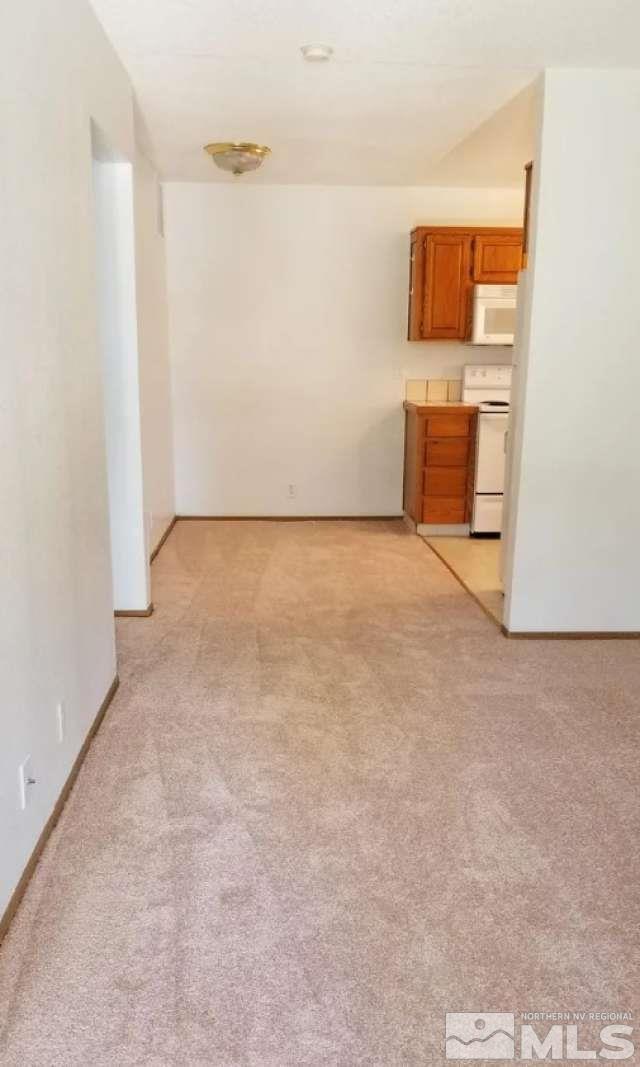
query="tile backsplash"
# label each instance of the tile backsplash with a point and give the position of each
(415, 390)
(439, 389)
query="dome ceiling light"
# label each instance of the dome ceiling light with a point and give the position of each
(237, 156)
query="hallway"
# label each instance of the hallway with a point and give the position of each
(328, 804)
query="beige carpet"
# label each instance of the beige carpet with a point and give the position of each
(329, 803)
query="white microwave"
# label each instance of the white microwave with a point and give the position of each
(494, 314)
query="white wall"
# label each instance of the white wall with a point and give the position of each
(56, 626)
(574, 526)
(288, 310)
(153, 347)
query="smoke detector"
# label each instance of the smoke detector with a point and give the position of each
(316, 53)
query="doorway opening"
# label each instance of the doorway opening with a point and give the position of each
(118, 332)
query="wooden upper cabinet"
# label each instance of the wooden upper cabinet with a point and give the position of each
(446, 262)
(497, 258)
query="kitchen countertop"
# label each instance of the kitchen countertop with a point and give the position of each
(450, 406)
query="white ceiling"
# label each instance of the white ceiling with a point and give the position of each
(410, 80)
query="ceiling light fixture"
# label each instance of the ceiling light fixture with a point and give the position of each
(237, 156)
(317, 53)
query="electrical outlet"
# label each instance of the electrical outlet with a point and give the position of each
(292, 491)
(26, 782)
(60, 723)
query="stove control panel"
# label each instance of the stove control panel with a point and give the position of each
(492, 376)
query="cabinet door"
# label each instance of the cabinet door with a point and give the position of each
(528, 176)
(416, 286)
(497, 258)
(446, 286)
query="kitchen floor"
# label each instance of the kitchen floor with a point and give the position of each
(476, 563)
(328, 804)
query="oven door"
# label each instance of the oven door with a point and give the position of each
(490, 453)
(494, 321)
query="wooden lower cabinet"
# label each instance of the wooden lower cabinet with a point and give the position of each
(439, 453)
(445, 482)
(444, 510)
(446, 452)
(448, 426)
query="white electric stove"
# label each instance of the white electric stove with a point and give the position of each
(490, 388)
